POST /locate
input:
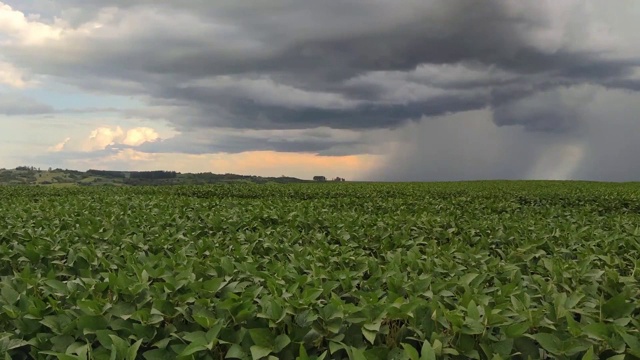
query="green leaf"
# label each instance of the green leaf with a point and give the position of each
(235, 352)
(516, 330)
(377, 353)
(427, 351)
(472, 311)
(573, 300)
(572, 347)
(262, 337)
(302, 353)
(598, 331)
(617, 357)
(357, 354)
(196, 337)
(132, 353)
(91, 324)
(369, 335)
(59, 356)
(10, 295)
(437, 347)
(162, 344)
(632, 342)
(89, 307)
(119, 345)
(275, 311)
(617, 307)
(589, 355)
(549, 342)
(573, 326)
(205, 321)
(258, 352)
(281, 342)
(122, 310)
(192, 349)
(158, 354)
(411, 352)
(104, 339)
(59, 287)
(334, 347)
(212, 334)
(374, 326)
(466, 279)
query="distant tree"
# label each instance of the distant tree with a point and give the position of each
(319, 178)
(26, 168)
(338, 179)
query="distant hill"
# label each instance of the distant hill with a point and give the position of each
(25, 175)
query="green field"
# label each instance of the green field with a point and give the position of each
(483, 270)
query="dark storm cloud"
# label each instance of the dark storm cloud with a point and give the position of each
(247, 113)
(235, 144)
(467, 146)
(319, 47)
(545, 111)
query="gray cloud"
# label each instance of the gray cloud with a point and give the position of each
(599, 144)
(321, 49)
(317, 140)
(13, 104)
(528, 69)
(557, 110)
(463, 146)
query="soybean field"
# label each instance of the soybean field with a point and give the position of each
(470, 270)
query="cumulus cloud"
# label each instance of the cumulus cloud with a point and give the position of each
(105, 137)
(27, 31)
(139, 136)
(12, 76)
(59, 146)
(102, 137)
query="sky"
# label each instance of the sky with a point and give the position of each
(382, 90)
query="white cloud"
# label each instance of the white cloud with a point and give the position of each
(140, 135)
(106, 136)
(59, 146)
(103, 137)
(28, 31)
(12, 76)
(129, 155)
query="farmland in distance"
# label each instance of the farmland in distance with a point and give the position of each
(481, 270)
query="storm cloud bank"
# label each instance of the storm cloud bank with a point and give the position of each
(441, 89)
